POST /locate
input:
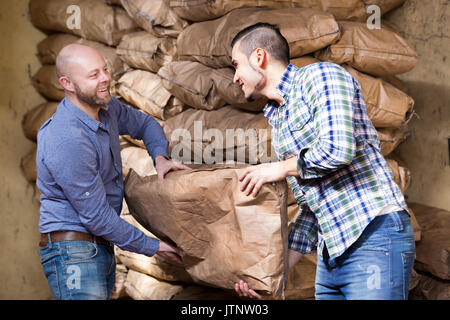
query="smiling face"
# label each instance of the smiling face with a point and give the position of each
(84, 74)
(247, 74)
(91, 82)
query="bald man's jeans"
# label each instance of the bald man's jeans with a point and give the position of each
(79, 270)
(377, 266)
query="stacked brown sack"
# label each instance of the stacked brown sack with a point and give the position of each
(171, 90)
(432, 253)
(146, 52)
(200, 10)
(98, 21)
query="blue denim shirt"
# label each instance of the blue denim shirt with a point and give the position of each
(79, 171)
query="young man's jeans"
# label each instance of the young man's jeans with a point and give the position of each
(79, 270)
(377, 266)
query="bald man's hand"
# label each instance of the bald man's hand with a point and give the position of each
(163, 166)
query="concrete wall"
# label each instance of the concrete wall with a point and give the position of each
(426, 24)
(21, 275)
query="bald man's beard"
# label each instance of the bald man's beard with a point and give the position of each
(93, 99)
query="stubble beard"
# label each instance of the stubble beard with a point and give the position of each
(260, 84)
(91, 99)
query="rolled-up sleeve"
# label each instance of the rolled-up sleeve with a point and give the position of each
(330, 94)
(75, 169)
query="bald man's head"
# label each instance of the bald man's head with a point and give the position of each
(74, 55)
(83, 73)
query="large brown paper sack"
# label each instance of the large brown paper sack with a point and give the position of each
(379, 52)
(197, 292)
(218, 136)
(49, 48)
(433, 249)
(293, 211)
(152, 266)
(28, 165)
(415, 279)
(119, 290)
(137, 159)
(306, 31)
(135, 142)
(47, 84)
(415, 224)
(301, 281)
(201, 10)
(402, 175)
(113, 2)
(142, 50)
(396, 82)
(140, 286)
(356, 10)
(155, 16)
(124, 143)
(430, 288)
(202, 87)
(145, 91)
(98, 21)
(35, 118)
(390, 138)
(304, 61)
(386, 105)
(224, 235)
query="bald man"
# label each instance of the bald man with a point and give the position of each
(79, 173)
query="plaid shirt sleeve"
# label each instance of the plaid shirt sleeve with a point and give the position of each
(329, 92)
(303, 235)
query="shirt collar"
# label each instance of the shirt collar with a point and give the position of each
(285, 84)
(92, 124)
(284, 87)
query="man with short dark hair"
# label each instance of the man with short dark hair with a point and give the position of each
(329, 152)
(79, 173)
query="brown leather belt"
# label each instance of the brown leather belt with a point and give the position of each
(57, 236)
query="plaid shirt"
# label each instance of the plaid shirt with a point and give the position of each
(344, 181)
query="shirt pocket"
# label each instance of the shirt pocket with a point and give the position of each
(299, 121)
(301, 130)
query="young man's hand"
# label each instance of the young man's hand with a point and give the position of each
(243, 290)
(254, 177)
(164, 165)
(169, 252)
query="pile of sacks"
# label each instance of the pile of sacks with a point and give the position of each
(171, 60)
